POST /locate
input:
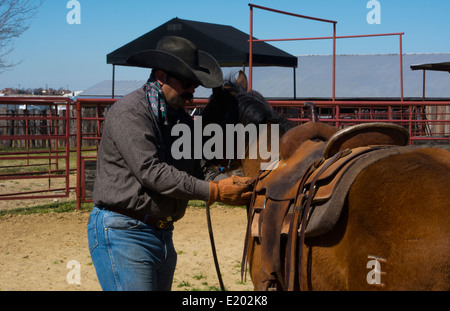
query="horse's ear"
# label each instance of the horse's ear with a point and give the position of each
(242, 80)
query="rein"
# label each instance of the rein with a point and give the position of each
(210, 230)
(213, 246)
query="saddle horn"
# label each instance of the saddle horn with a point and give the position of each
(313, 113)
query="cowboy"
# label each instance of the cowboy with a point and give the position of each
(140, 189)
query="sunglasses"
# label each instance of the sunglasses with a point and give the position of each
(186, 84)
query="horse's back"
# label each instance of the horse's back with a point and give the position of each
(399, 210)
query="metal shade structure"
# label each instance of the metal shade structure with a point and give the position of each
(228, 45)
(444, 66)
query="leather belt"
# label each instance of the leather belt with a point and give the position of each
(160, 224)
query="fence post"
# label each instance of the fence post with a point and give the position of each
(78, 185)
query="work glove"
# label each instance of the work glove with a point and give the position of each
(233, 190)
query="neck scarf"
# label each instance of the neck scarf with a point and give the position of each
(156, 100)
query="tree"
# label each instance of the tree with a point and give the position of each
(15, 16)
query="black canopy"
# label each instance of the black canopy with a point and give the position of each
(445, 66)
(228, 45)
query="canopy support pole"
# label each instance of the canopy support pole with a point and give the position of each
(113, 79)
(295, 84)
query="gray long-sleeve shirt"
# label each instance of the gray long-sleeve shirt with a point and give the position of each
(135, 168)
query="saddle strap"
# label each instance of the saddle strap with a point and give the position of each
(300, 225)
(291, 244)
(250, 216)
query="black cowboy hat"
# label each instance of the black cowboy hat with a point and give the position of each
(180, 58)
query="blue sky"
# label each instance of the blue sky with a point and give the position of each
(54, 53)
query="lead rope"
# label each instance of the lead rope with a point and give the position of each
(213, 247)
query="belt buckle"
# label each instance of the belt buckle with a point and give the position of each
(163, 224)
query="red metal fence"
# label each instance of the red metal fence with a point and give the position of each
(86, 155)
(34, 146)
(427, 121)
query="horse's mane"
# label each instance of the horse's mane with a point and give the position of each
(252, 107)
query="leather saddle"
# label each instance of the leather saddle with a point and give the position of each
(304, 195)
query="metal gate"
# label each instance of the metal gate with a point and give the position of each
(90, 115)
(34, 147)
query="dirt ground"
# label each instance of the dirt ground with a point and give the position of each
(44, 252)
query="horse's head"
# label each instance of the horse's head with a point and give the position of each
(232, 104)
(222, 107)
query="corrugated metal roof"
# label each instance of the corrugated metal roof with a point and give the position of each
(104, 88)
(357, 76)
(376, 76)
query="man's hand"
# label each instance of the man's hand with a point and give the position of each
(233, 190)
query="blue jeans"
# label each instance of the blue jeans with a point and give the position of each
(128, 254)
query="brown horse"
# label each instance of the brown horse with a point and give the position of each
(394, 229)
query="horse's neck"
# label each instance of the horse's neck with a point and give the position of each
(251, 167)
(260, 154)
